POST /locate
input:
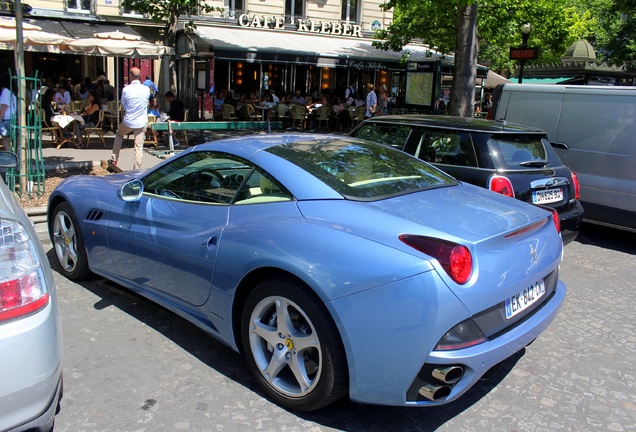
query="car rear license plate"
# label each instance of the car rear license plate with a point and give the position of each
(524, 299)
(547, 196)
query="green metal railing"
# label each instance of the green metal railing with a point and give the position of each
(26, 140)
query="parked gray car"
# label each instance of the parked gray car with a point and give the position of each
(30, 327)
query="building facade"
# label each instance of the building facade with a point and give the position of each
(244, 46)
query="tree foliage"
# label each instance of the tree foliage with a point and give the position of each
(167, 12)
(556, 25)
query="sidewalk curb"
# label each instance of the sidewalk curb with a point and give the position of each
(72, 165)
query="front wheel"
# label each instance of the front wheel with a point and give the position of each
(68, 242)
(292, 346)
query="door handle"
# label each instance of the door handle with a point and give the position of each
(211, 243)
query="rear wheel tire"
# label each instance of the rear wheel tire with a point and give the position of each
(68, 243)
(292, 346)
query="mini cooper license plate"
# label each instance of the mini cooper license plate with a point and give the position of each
(547, 196)
(524, 299)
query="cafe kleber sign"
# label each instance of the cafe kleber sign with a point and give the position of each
(305, 26)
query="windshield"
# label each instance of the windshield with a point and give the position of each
(361, 170)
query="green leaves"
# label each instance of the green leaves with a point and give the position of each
(167, 11)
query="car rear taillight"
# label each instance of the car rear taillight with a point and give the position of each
(455, 259)
(555, 219)
(502, 185)
(577, 186)
(22, 291)
(463, 335)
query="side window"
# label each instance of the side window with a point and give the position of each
(260, 188)
(393, 135)
(205, 177)
(450, 148)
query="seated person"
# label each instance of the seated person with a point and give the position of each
(341, 113)
(90, 114)
(153, 108)
(176, 111)
(47, 106)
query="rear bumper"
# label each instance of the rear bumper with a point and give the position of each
(45, 421)
(388, 346)
(571, 223)
(31, 372)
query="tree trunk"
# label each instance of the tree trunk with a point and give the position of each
(170, 40)
(463, 90)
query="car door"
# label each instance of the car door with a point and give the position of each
(167, 240)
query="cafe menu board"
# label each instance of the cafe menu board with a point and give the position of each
(419, 88)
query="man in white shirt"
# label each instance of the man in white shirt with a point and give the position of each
(7, 108)
(134, 99)
(275, 98)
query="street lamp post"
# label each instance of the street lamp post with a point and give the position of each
(526, 29)
(524, 52)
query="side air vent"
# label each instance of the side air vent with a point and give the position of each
(94, 215)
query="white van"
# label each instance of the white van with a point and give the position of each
(593, 129)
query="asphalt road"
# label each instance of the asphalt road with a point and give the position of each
(130, 365)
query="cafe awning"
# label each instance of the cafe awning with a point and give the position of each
(78, 29)
(283, 46)
(547, 80)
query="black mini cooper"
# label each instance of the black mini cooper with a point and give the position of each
(513, 160)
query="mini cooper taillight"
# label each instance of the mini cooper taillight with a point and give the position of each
(577, 186)
(455, 259)
(22, 291)
(502, 185)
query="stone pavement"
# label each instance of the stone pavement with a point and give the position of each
(69, 157)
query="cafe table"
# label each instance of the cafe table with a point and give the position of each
(66, 123)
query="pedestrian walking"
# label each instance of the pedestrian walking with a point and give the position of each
(135, 98)
(372, 101)
(7, 109)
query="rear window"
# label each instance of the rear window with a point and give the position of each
(519, 152)
(362, 170)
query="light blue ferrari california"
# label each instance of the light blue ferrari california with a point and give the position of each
(337, 266)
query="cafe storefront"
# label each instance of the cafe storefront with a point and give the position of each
(256, 53)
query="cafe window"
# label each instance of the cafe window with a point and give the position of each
(80, 5)
(234, 5)
(294, 8)
(129, 11)
(350, 10)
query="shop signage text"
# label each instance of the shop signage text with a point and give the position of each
(7, 6)
(368, 65)
(529, 53)
(305, 26)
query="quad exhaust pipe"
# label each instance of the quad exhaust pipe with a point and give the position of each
(434, 392)
(448, 376)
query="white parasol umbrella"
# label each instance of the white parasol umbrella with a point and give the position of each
(117, 44)
(34, 38)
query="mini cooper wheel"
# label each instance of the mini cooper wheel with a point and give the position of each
(68, 242)
(292, 346)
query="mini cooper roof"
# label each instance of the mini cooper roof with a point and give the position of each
(457, 123)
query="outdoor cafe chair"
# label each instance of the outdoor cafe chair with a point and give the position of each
(98, 129)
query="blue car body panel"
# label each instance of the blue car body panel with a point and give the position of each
(390, 302)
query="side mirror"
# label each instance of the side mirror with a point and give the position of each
(8, 159)
(132, 190)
